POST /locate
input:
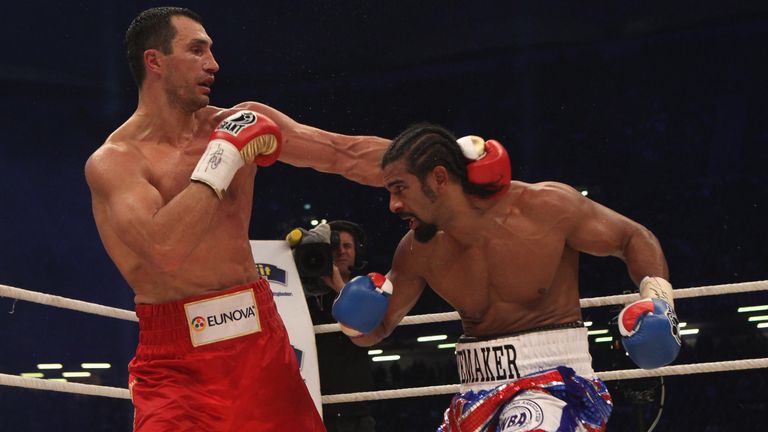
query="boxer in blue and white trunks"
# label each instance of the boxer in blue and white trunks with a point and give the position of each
(524, 381)
(505, 255)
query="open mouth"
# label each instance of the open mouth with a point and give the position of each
(413, 222)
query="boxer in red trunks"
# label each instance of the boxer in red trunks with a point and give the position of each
(236, 380)
(172, 193)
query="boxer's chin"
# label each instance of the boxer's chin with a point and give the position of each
(424, 232)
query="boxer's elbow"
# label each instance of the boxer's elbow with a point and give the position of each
(377, 335)
(366, 340)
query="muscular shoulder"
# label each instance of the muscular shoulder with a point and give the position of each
(550, 199)
(219, 114)
(115, 150)
(116, 158)
(287, 124)
(550, 190)
(212, 115)
(254, 106)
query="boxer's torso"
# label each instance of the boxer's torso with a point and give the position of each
(519, 274)
(223, 257)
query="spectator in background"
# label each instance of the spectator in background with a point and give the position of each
(344, 367)
(327, 257)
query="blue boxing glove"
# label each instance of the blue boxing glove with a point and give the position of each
(361, 304)
(649, 327)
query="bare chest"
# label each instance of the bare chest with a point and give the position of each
(516, 267)
(171, 168)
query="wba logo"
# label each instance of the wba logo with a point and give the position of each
(199, 323)
(236, 122)
(521, 415)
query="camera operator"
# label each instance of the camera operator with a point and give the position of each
(327, 257)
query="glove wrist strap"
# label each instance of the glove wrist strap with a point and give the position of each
(218, 166)
(657, 287)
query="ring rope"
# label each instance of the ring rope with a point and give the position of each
(734, 288)
(605, 376)
(65, 387)
(121, 393)
(66, 303)
(587, 302)
(97, 309)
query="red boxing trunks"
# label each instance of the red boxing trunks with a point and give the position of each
(218, 362)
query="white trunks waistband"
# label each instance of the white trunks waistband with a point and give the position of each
(486, 364)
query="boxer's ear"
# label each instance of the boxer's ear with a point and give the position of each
(152, 60)
(440, 175)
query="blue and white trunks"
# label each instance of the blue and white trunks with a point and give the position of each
(539, 381)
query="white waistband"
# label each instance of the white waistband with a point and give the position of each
(489, 363)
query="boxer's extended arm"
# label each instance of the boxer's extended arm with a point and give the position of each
(356, 157)
(407, 286)
(600, 231)
(162, 233)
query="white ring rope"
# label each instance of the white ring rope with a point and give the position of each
(121, 393)
(605, 376)
(702, 291)
(587, 302)
(66, 387)
(65, 303)
(97, 309)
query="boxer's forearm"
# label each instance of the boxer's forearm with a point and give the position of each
(644, 257)
(355, 157)
(177, 228)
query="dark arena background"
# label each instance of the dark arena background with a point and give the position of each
(657, 109)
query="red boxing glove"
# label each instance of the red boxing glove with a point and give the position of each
(490, 161)
(243, 137)
(256, 136)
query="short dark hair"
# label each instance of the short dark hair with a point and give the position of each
(152, 29)
(425, 146)
(357, 232)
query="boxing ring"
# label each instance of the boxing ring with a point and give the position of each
(123, 393)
